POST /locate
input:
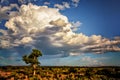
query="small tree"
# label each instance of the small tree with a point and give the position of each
(33, 59)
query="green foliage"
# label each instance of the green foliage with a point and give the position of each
(72, 70)
(32, 58)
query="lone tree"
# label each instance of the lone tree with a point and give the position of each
(33, 59)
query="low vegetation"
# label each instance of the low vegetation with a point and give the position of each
(59, 73)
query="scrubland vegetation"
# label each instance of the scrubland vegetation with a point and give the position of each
(59, 73)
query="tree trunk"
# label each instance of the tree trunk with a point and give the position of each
(34, 67)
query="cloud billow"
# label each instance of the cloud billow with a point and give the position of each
(47, 29)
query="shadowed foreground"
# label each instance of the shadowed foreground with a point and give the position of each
(59, 73)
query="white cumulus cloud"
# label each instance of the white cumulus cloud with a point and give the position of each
(75, 25)
(46, 3)
(62, 6)
(47, 29)
(5, 11)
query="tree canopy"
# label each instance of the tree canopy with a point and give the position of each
(33, 59)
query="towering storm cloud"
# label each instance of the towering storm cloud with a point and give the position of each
(47, 29)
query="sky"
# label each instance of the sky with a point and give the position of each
(68, 32)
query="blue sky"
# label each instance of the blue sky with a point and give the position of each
(68, 32)
(97, 17)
